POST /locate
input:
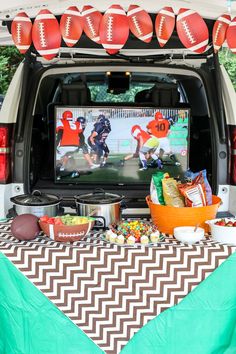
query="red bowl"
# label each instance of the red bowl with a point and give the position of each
(66, 233)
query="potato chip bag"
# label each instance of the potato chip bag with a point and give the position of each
(171, 192)
(194, 192)
(191, 175)
(156, 191)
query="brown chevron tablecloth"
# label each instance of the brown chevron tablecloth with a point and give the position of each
(111, 291)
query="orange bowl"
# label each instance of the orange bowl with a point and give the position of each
(166, 217)
(66, 233)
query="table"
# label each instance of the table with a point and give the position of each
(108, 291)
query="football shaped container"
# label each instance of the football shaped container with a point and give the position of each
(67, 233)
(223, 234)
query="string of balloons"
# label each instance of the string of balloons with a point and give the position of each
(112, 29)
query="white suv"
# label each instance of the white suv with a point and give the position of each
(78, 80)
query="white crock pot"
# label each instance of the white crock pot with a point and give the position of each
(37, 203)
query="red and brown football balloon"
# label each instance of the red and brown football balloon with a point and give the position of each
(46, 34)
(164, 25)
(219, 31)
(114, 29)
(231, 36)
(91, 22)
(21, 31)
(192, 30)
(140, 23)
(71, 26)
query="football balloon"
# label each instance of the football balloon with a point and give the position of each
(192, 30)
(71, 26)
(114, 29)
(21, 31)
(91, 22)
(140, 23)
(46, 34)
(219, 31)
(164, 25)
(231, 36)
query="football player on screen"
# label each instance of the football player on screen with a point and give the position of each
(134, 155)
(70, 139)
(160, 128)
(147, 146)
(97, 140)
(83, 146)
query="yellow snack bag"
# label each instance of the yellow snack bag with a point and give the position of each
(171, 192)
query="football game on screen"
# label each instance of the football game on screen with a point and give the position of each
(119, 145)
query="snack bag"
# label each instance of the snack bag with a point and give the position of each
(194, 192)
(191, 175)
(156, 191)
(171, 192)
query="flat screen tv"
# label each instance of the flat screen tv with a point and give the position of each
(119, 145)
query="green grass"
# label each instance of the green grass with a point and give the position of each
(115, 173)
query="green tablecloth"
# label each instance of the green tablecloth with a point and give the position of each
(31, 324)
(203, 323)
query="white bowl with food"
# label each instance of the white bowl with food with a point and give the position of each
(189, 234)
(223, 230)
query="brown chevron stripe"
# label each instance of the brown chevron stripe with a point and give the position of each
(111, 291)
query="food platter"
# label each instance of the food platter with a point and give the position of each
(133, 233)
(136, 244)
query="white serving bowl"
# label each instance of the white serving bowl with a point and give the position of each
(223, 234)
(186, 234)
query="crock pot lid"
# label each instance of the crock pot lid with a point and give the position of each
(36, 199)
(99, 198)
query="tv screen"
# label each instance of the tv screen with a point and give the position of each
(119, 145)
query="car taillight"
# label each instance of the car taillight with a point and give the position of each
(5, 156)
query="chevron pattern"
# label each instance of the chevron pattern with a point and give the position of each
(111, 291)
